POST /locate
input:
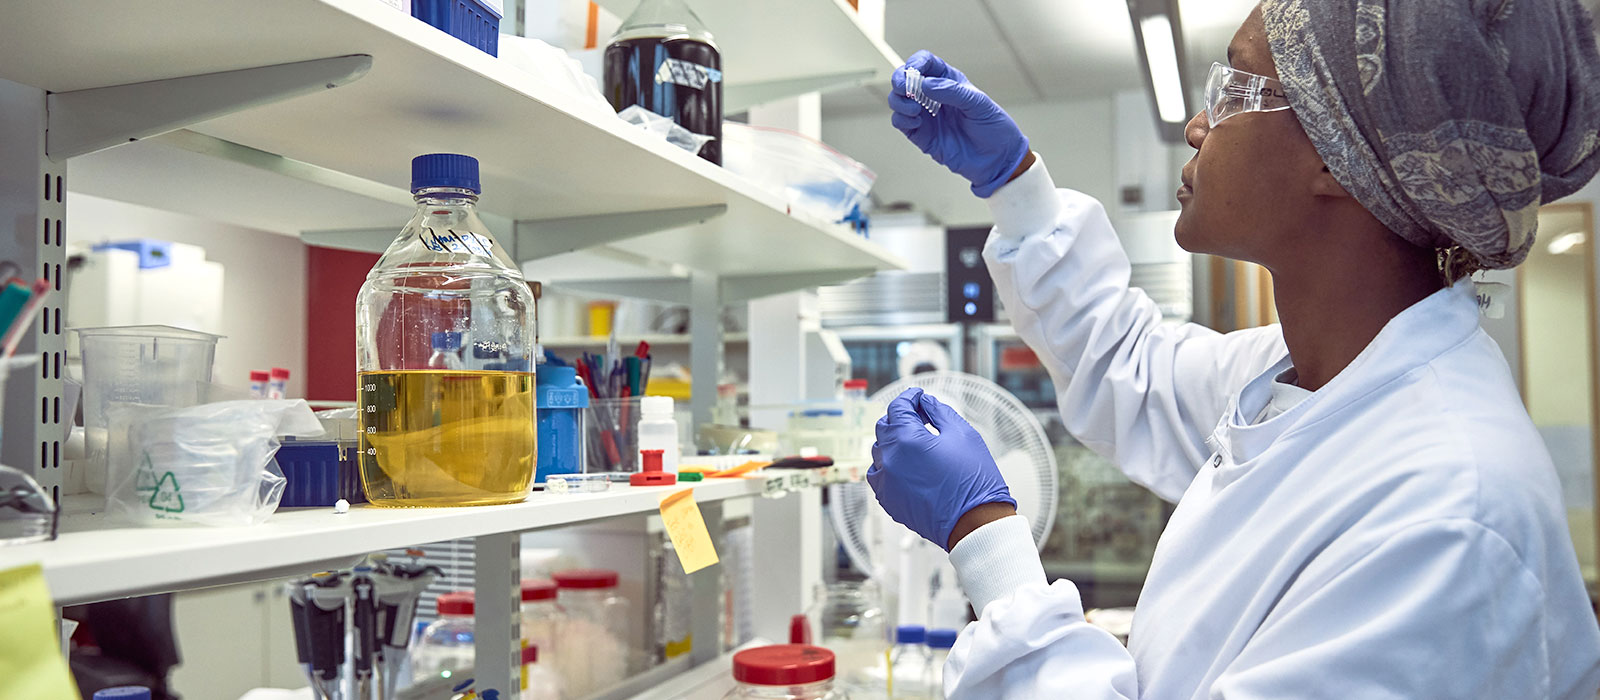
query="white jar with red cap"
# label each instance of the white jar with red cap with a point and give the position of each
(542, 617)
(445, 646)
(784, 672)
(595, 651)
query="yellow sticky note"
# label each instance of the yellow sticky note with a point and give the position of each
(681, 516)
(30, 654)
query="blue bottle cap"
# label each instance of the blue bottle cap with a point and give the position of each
(448, 341)
(123, 692)
(445, 170)
(942, 639)
(909, 634)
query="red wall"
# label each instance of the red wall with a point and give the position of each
(333, 277)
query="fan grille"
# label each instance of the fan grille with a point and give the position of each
(1013, 435)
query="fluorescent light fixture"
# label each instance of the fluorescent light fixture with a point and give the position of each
(1162, 56)
(1565, 242)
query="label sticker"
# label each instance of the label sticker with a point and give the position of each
(690, 75)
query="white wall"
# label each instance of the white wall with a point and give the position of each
(1076, 139)
(264, 293)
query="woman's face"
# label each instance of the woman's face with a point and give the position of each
(1247, 190)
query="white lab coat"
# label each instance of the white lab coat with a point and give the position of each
(1399, 534)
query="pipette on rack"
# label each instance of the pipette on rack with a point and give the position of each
(399, 586)
(317, 606)
(364, 621)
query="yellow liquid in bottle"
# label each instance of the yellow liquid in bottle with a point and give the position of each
(446, 437)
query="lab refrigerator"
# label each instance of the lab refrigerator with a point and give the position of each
(1106, 526)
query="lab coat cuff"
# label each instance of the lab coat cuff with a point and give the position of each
(1028, 204)
(996, 560)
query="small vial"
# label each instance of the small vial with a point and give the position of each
(278, 386)
(914, 91)
(576, 483)
(258, 383)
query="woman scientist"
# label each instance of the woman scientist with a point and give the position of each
(1366, 509)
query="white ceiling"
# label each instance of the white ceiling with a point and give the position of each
(1022, 51)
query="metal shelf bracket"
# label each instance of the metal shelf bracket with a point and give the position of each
(89, 120)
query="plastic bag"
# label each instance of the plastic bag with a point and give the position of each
(203, 465)
(558, 70)
(809, 174)
(665, 128)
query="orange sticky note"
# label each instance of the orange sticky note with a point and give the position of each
(681, 516)
(30, 653)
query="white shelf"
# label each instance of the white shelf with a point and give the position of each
(658, 340)
(769, 54)
(545, 155)
(96, 560)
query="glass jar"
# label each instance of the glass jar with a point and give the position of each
(445, 645)
(848, 618)
(542, 617)
(595, 651)
(663, 59)
(784, 672)
(444, 348)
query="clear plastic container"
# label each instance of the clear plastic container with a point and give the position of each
(939, 645)
(445, 645)
(27, 513)
(613, 439)
(150, 365)
(436, 435)
(542, 617)
(848, 618)
(809, 174)
(785, 672)
(910, 664)
(595, 652)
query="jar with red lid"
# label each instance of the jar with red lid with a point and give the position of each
(542, 618)
(596, 642)
(446, 644)
(784, 672)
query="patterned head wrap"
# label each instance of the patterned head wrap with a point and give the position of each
(1451, 121)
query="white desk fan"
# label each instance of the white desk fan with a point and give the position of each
(902, 561)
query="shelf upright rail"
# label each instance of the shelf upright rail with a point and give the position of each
(39, 132)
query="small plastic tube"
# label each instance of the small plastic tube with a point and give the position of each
(914, 91)
(576, 483)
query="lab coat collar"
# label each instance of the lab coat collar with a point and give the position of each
(1410, 340)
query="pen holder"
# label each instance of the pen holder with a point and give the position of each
(613, 435)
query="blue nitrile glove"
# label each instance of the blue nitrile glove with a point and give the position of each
(927, 482)
(972, 136)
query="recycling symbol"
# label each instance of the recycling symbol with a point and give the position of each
(166, 496)
(144, 479)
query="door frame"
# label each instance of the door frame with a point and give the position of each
(1587, 211)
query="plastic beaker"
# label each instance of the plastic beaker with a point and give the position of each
(150, 365)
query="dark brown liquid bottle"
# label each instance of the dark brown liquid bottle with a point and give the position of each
(664, 60)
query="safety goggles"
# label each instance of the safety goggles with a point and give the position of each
(1232, 92)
